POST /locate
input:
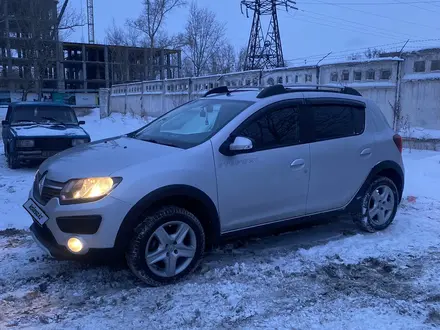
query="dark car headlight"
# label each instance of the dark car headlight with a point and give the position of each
(25, 143)
(76, 142)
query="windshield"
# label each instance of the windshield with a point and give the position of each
(43, 114)
(192, 123)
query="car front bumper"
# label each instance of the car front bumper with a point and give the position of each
(36, 154)
(53, 235)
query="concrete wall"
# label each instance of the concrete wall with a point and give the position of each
(377, 79)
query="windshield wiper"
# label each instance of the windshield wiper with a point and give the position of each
(157, 142)
(24, 121)
(53, 119)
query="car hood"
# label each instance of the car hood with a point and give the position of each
(48, 131)
(102, 158)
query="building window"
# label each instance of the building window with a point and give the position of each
(385, 74)
(419, 66)
(435, 65)
(287, 79)
(248, 82)
(270, 82)
(297, 79)
(280, 80)
(334, 76)
(357, 76)
(308, 77)
(370, 75)
(345, 75)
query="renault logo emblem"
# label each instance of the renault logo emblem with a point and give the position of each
(41, 184)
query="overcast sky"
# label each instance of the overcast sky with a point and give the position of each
(317, 27)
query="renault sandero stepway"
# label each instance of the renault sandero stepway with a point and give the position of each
(225, 165)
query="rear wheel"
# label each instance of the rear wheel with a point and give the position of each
(379, 205)
(167, 246)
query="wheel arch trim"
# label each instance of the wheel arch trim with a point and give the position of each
(379, 167)
(133, 217)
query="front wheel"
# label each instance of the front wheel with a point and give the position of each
(167, 246)
(379, 205)
(13, 162)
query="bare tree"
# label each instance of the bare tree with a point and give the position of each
(223, 61)
(187, 67)
(151, 21)
(118, 36)
(241, 57)
(202, 38)
(37, 28)
(70, 20)
(372, 53)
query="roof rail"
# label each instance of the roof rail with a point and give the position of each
(281, 89)
(225, 90)
(217, 90)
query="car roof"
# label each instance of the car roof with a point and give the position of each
(252, 95)
(38, 103)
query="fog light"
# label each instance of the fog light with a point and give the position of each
(74, 245)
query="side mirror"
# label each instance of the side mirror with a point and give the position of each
(81, 122)
(4, 122)
(241, 144)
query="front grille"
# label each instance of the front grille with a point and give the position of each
(53, 143)
(51, 189)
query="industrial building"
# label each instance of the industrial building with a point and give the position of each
(32, 59)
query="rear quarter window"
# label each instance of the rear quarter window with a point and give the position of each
(337, 121)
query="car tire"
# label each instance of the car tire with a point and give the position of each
(174, 240)
(13, 162)
(379, 205)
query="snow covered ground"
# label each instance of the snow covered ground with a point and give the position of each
(328, 276)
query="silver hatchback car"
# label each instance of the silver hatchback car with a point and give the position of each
(228, 164)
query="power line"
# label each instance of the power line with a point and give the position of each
(350, 28)
(388, 45)
(378, 15)
(374, 3)
(357, 23)
(415, 6)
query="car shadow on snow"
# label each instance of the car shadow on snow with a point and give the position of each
(297, 236)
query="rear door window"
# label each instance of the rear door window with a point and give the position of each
(335, 121)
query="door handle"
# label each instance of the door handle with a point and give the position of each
(366, 152)
(297, 163)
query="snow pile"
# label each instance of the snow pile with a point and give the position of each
(422, 76)
(114, 125)
(421, 133)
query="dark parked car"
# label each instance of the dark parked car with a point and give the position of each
(39, 130)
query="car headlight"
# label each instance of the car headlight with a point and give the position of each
(87, 190)
(25, 143)
(76, 142)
